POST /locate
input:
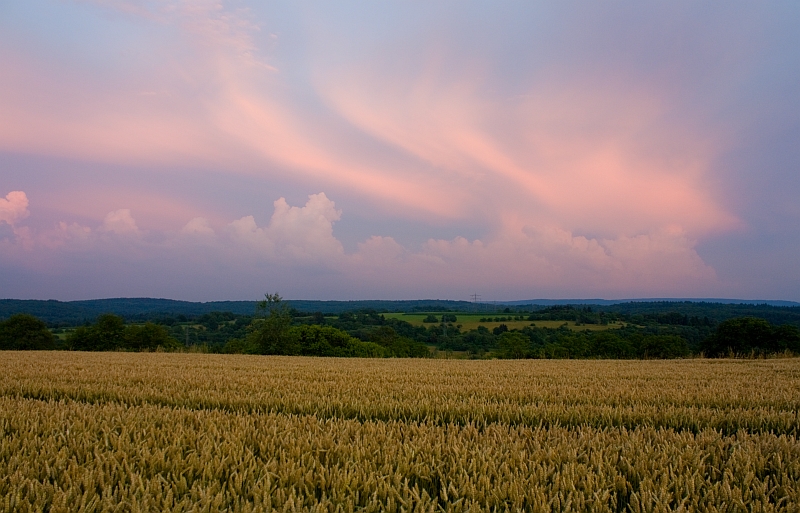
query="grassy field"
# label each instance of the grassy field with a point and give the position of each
(471, 321)
(197, 432)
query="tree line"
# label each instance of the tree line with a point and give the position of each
(108, 333)
(275, 328)
(65, 314)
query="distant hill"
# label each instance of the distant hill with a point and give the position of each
(72, 313)
(606, 302)
(77, 312)
(716, 310)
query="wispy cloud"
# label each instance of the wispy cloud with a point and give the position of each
(417, 138)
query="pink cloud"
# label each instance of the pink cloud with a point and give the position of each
(602, 160)
(581, 157)
(14, 207)
(538, 262)
(198, 226)
(594, 186)
(530, 260)
(265, 126)
(78, 118)
(219, 104)
(66, 233)
(155, 210)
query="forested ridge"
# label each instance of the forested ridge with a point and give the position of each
(274, 326)
(73, 313)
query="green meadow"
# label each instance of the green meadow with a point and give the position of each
(470, 321)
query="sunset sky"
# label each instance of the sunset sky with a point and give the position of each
(213, 150)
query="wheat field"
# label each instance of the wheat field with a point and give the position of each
(195, 432)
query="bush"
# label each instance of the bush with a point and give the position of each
(149, 337)
(109, 333)
(396, 345)
(315, 340)
(239, 346)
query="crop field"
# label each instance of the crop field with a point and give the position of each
(199, 432)
(469, 321)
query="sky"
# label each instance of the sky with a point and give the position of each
(219, 150)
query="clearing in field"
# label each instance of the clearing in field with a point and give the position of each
(177, 432)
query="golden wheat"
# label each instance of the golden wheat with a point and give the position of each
(178, 432)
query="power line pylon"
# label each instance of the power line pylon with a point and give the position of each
(475, 298)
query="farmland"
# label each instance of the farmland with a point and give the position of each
(177, 432)
(471, 321)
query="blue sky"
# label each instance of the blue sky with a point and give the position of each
(355, 150)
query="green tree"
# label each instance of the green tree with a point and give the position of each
(513, 344)
(787, 338)
(107, 334)
(478, 341)
(270, 329)
(149, 337)
(25, 332)
(751, 335)
(662, 346)
(740, 336)
(498, 330)
(608, 344)
(396, 345)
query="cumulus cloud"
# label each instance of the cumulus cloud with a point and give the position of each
(298, 243)
(120, 222)
(246, 232)
(198, 226)
(545, 261)
(306, 231)
(14, 207)
(297, 233)
(74, 230)
(520, 259)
